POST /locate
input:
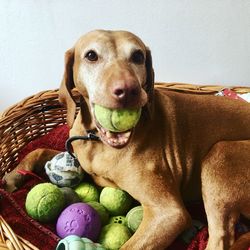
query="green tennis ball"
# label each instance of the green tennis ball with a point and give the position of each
(134, 218)
(115, 200)
(70, 196)
(87, 192)
(113, 236)
(101, 210)
(117, 120)
(118, 219)
(44, 202)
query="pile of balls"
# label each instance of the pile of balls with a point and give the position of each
(85, 213)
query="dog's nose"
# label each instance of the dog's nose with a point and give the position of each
(126, 92)
(119, 93)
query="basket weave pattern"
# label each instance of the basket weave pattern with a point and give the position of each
(26, 121)
(9, 240)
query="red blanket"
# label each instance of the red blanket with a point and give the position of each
(43, 235)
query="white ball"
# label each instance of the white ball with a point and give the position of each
(64, 170)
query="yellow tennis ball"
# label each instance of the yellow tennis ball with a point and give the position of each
(87, 192)
(117, 120)
(134, 218)
(44, 202)
(114, 235)
(115, 200)
(101, 210)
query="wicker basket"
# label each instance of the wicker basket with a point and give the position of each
(40, 113)
(9, 240)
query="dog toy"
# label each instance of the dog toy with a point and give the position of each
(118, 219)
(117, 120)
(134, 218)
(64, 170)
(113, 236)
(44, 202)
(70, 196)
(79, 219)
(101, 210)
(73, 242)
(87, 192)
(115, 200)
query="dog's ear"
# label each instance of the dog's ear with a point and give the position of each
(149, 86)
(87, 120)
(150, 75)
(67, 84)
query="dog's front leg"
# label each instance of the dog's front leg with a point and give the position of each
(33, 162)
(159, 228)
(164, 215)
(225, 179)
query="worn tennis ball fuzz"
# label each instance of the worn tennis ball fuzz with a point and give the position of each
(44, 202)
(70, 196)
(134, 218)
(115, 200)
(101, 210)
(87, 192)
(113, 236)
(117, 120)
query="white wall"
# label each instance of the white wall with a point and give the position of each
(196, 41)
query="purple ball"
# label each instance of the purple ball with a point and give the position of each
(79, 219)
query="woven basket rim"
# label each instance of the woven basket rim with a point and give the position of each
(174, 86)
(201, 88)
(20, 108)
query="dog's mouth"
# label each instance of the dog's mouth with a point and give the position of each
(115, 126)
(113, 139)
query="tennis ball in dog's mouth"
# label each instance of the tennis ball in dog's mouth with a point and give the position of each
(44, 202)
(114, 235)
(115, 200)
(117, 120)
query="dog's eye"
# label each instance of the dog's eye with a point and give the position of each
(137, 57)
(91, 56)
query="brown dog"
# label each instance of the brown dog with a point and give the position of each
(184, 147)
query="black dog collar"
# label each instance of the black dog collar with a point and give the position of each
(89, 137)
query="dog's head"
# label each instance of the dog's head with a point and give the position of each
(114, 69)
